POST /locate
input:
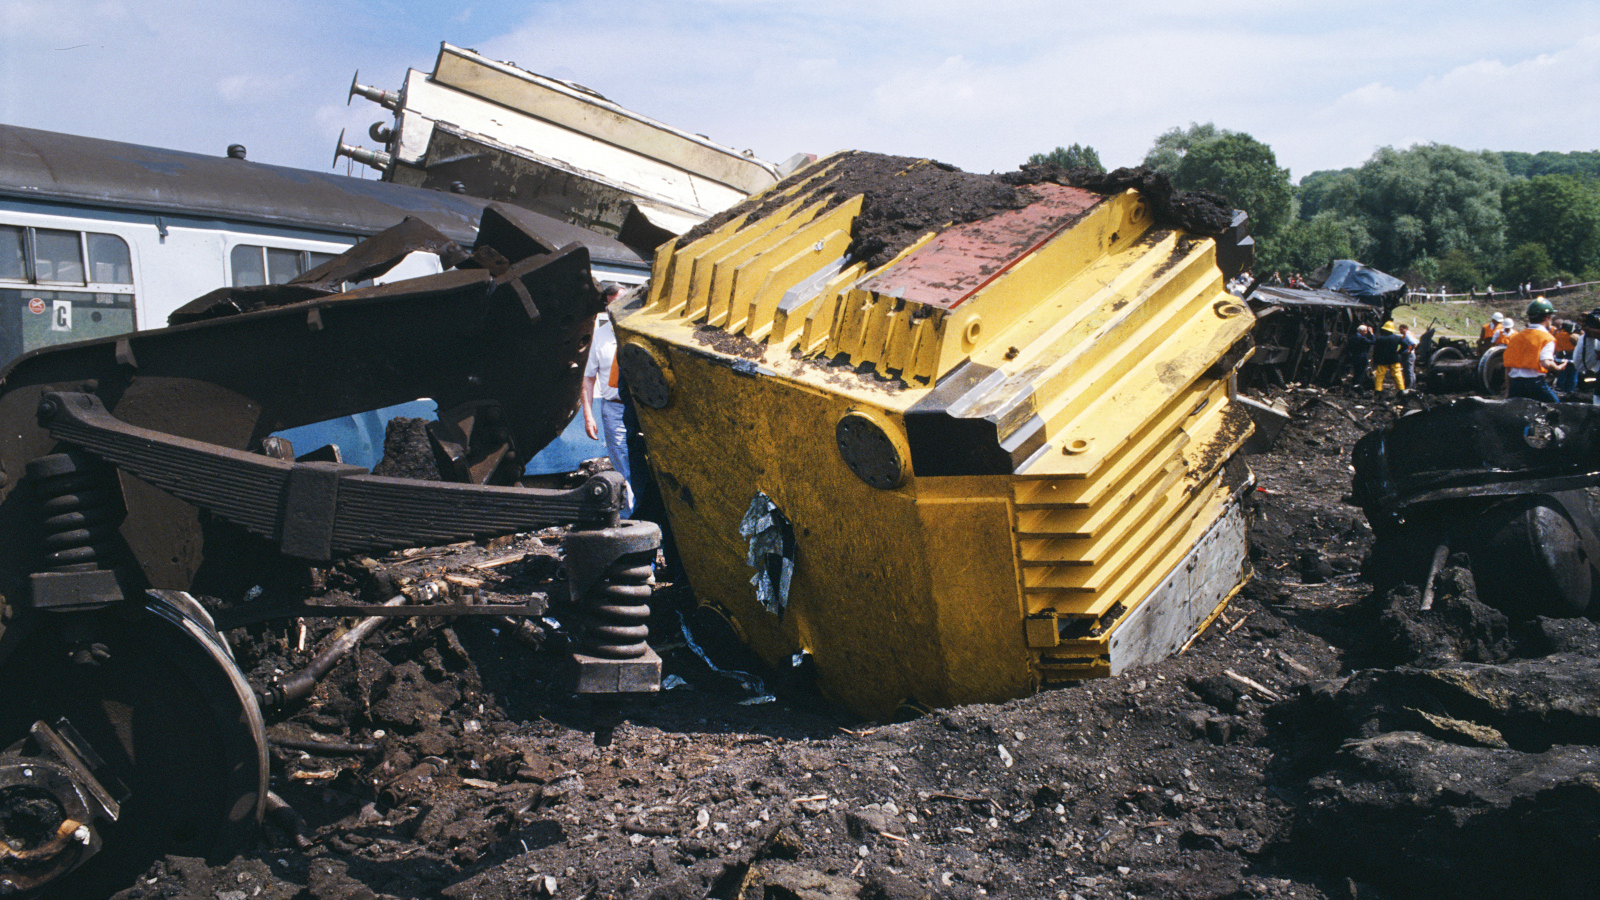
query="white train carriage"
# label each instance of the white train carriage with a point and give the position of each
(99, 238)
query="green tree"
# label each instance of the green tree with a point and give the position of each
(1245, 171)
(1424, 272)
(1528, 262)
(1074, 157)
(1426, 200)
(1518, 164)
(1325, 189)
(1560, 213)
(1549, 162)
(1308, 245)
(1458, 269)
(1173, 145)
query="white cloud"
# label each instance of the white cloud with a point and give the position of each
(1550, 101)
(929, 92)
(981, 85)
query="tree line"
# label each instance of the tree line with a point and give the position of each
(1431, 214)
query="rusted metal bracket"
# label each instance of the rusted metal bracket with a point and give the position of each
(64, 777)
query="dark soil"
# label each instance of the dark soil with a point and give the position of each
(1200, 212)
(407, 452)
(906, 198)
(1319, 741)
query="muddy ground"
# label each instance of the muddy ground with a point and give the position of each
(1317, 741)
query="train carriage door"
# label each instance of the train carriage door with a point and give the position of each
(58, 286)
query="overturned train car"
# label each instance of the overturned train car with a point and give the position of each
(1301, 334)
(1000, 459)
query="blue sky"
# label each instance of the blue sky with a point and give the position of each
(979, 85)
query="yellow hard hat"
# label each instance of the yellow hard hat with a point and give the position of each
(1389, 326)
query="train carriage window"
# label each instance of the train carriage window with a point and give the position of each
(12, 256)
(255, 265)
(249, 267)
(109, 262)
(53, 256)
(283, 265)
(39, 308)
(58, 256)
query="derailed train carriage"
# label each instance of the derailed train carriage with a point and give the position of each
(1302, 334)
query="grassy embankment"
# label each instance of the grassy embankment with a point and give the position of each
(1464, 319)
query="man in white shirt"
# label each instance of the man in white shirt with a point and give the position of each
(600, 387)
(1408, 355)
(1586, 356)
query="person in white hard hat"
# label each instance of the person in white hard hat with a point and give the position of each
(1490, 331)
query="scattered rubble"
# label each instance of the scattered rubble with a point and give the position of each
(1319, 740)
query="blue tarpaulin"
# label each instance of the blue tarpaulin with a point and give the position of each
(1361, 282)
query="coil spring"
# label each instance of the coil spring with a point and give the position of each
(80, 510)
(619, 609)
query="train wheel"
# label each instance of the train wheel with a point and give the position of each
(154, 692)
(1492, 372)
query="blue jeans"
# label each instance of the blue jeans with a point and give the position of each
(1567, 379)
(615, 433)
(1532, 389)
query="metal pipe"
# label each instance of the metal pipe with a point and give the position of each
(284, 815)
(303, 682)
(1440, 554)
(337, 748)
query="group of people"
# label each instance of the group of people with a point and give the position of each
(1390, 353)
(1523, 289)
(1547, 346)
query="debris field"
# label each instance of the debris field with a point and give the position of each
(1318, 740)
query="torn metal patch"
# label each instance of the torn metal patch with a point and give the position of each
(771, 553)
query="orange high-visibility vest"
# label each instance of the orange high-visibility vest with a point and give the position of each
(1522, 351)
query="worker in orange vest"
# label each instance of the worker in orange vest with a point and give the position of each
(1531, 354)
(1491, 329)
(600, 383)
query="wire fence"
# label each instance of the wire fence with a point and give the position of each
(1550, 292)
